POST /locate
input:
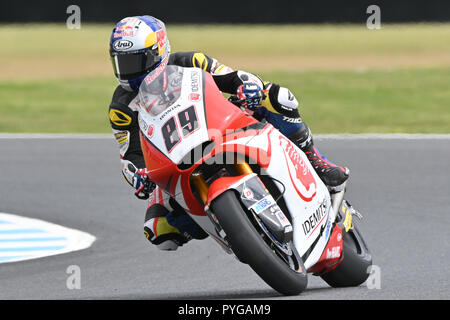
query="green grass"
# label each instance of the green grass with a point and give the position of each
(377, 101)
(53, 106)
(52, 50)
(400, 101)
(347, 78)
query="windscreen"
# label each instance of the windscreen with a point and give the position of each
(160, 89)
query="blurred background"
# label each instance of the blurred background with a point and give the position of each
(353, 70)
(350, 74)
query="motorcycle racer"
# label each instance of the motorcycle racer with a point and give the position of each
(140, 44)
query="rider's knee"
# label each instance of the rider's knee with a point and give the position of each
(158, 230)
(169, 230)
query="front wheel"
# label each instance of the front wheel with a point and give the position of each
(285, 273)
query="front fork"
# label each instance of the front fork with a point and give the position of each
(342, 206)
(243, 168)
(253, 195)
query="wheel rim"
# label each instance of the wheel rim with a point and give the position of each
(284, 251)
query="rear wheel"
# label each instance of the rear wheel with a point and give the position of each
(251, 244)
(353, 270)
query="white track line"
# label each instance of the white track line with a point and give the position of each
(340, 136)
(383, 136)
(24, 238)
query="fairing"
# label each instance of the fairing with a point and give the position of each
(200, 114)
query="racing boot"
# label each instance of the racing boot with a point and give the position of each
(169, 230)
(331, 174)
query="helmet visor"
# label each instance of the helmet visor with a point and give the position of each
(132, 65)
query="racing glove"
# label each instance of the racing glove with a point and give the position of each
(142, 183)
(249, 96)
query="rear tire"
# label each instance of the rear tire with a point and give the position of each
(249, 246)
(353, 270)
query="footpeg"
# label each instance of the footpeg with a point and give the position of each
(353, 211)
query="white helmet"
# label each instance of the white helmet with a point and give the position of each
(137, 46)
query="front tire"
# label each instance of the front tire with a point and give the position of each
(248, 245)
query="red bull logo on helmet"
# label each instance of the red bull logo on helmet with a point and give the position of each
(124, 30)
(161, 38)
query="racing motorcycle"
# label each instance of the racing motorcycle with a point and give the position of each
(246, 185)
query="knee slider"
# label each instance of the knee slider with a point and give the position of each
(163, 235)
(159, 232)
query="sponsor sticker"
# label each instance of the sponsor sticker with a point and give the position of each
(292, 120)
(310, 224)
(263, 204)
(121, 137)
(348, 219)
(199, 61)
(161, 38)
(301, 176)
(334, 253)
(155, 73)
(124, 33)
(248, 194)
(122, 45)
(327, 229)
(119, 118)
(282, 219)
(150, 131)
(125, 30)
(194, 97)
(194, 81)
(142, 124)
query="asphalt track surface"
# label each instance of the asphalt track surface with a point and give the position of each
(400, 185)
